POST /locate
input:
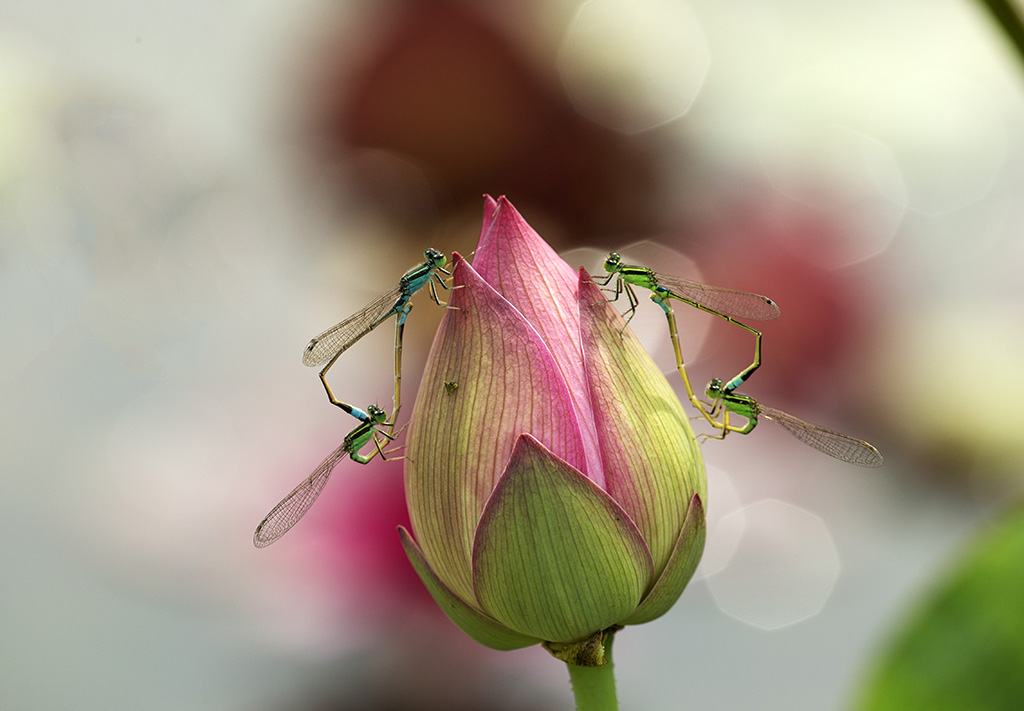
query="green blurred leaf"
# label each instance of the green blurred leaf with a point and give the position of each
(963, 649)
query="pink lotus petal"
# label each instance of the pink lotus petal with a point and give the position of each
(490, 212)
(523, 268)
(460, 440)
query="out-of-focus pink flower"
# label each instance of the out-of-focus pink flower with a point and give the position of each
(554, 484)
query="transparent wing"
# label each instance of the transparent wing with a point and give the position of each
(730, 302)
(834, 444)
(338, 338)
(294, 506)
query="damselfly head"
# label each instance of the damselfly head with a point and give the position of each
(714, 390)
(436, 259)
(377, 414)
(612, 262)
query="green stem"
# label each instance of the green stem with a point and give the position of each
(1005, 14)
(594, 687)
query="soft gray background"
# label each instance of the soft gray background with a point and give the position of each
(163, 260)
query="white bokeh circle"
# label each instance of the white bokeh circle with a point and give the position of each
(783, 568)
(632, 65)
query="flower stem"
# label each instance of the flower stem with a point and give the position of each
(1005, 14)
(594, 687)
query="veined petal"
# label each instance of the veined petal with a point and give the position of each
(523, 268)
(555, 557)
(477, 625)
(460, 438)
(681, 566)
(651, 458)
(490, 213)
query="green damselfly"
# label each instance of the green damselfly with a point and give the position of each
(727, 304)
(725, 400)
(329, 345)
(835, 444)
(294, 506)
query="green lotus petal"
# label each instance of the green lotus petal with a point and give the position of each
(681, 566)
(483, 629)
(555, 557)
(652, 462)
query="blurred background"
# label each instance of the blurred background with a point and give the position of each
(190, 191)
